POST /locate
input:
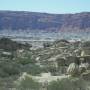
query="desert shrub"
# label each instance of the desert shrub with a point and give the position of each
(51, 69)
(28, 65)
(27, 83)
(32, 69)
(3, 73)
(27, 59)
(86, 44)
(68, 84)
(47, 44)
(9, 68)
(24, 61)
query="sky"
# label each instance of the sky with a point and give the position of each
(46, 6)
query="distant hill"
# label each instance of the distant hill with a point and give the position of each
(23, 20)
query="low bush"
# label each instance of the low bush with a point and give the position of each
(27, 83)
(68, 84)
(9, 68)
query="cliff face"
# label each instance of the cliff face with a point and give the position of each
(16, 20)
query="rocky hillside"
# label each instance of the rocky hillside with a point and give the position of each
(22, 20)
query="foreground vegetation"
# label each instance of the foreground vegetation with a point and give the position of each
(16, 58)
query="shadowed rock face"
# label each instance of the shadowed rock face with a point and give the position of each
(16, 20)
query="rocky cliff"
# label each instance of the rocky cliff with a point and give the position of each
(22, 20)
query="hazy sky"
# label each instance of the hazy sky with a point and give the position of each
(49, 6)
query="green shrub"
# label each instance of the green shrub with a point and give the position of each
(47, 44)
(68, 84)
(86, 44)
(31, 69)
(25, 60)
(9, 68)
(27, 83)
